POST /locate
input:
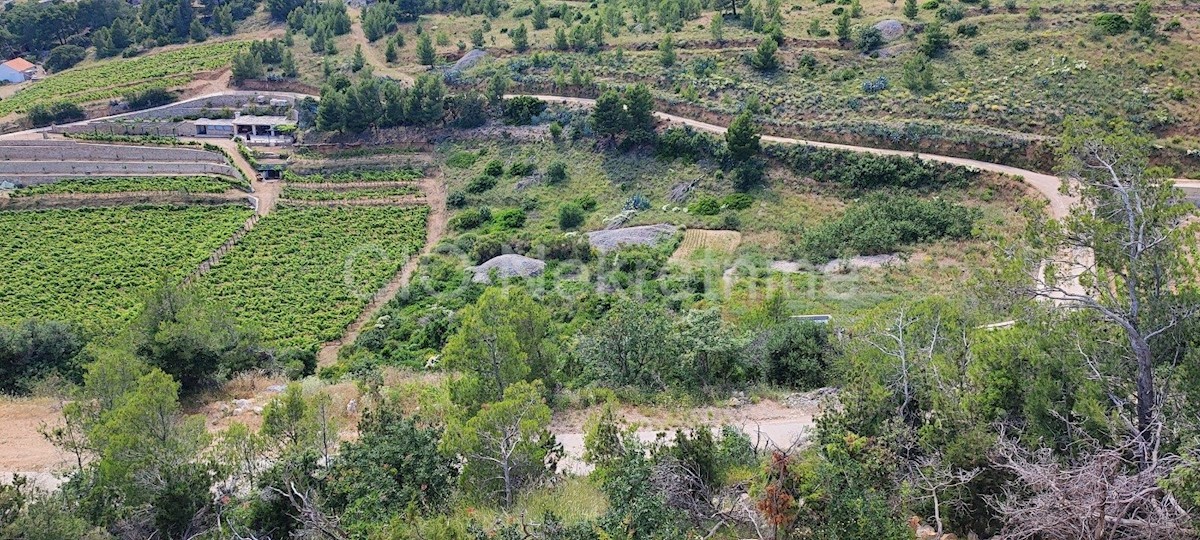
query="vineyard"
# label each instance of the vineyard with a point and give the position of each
(116, 77)
(91, 266)
(716, 243)
(396, 175)
(302, 275)
(189, 184)
(301, 194)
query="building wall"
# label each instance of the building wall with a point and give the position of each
(11, 75)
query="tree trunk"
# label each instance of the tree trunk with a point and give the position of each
(1145, 395)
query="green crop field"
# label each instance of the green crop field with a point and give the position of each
(397, 175)
(301, 194)
(190, 184)
(92, 266)
(116, 77)
(302, 275)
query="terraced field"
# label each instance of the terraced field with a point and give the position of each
(119, 76)
(91, 266)
(301, 194)
(189, 184)
(303, 274)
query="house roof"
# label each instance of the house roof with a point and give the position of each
(19, 64)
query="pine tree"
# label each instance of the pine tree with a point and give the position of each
(742, 138)
(425, 53)
(560, 39)
(539, 16)
(666, 51)
(910, 9)
(843, 27)
(1143, 21)
(717, 26)
(520, 37)
(390, 54)
(609, 117)
(477, 38)
(359, 60)
(764, 56)
(288, 64)
(330, 113)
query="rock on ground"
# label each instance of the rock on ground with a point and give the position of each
(643, 235)
(786, 267)
(507, 266)
(890, 29)
(470, 59)
(861, 261)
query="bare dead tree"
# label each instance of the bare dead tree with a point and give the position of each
(306, 511)
(1127, 248)
(1104, 494)
(934, 478)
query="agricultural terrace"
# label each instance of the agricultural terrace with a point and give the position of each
(343, 177)
(301, 194)
(979, 75)
(119, 76)
(188, 184)
(303, 274)
(91, 266)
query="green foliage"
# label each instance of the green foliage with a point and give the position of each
(502, 339)
(764, 58)
(1143, 20)
(666, 51)
(47, 254)
(860, 172)
(556, 172)
(631, 345)
(505, 443)
(325, 264)
(843, 27)
(519, 37)
(426, 55)
(742, 138)
(570, 216)
(705, 206)
(883, 224)
(1111, 23)
(35, 350)
(869, 39)
(191, 339)
(910, 9)
(59, 112)
(188, 184)
(936, 40)
(520, 110)
(150, 97)
(737, 201)
(65, 57)
(394, 464)
(112, 78)
(797, 355)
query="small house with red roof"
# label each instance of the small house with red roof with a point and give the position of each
(17, 70)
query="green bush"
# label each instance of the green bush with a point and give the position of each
(56, 113)
(705, 206)
(509, 218)
(462, 159)
(65, 56)
(881, 224)
(481, 183)
(522, 169)
(861, 172)
(1112, 23)
(570, 215)
(796, 355)
(1020, 45)
(471, 218)
(519, 111)
(556, 173)
(737, 201)
(456, 199)
(494, 167)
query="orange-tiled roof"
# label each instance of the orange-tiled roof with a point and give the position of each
(19, 64)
